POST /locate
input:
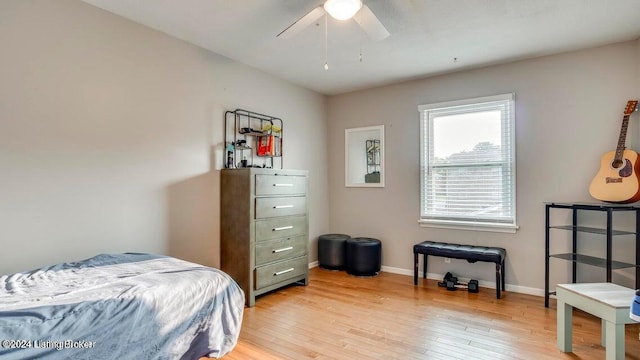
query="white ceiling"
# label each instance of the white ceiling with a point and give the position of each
(426, 35)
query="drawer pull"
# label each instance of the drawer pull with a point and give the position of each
(283, 272)
(283, 228)
(283, 206)
(283, 185)
(283, 249)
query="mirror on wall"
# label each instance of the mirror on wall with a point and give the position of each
(364, 156)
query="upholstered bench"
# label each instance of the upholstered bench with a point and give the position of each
(470, 253)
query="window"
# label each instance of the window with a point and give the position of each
(467, 160)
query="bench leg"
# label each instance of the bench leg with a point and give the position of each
(415, 268)
(424, 266)
(498, 282)
(502, 271)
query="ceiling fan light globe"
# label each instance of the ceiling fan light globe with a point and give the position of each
(342, 9)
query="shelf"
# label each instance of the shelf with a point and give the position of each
(606, 232)
(258, 133)
(254, 137)
(593, 206)
(592, 260)
(592, 230)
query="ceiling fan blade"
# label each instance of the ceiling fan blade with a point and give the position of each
(370, 24)
(302, 23)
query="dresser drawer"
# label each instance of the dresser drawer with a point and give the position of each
(280, 249)
(280, 206)
(280, 227)
(280, 185)
(281, 271)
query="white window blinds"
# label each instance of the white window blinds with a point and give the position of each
(468, 161)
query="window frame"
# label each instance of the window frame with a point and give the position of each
(448, 221)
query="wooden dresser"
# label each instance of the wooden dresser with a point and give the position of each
(264, 228)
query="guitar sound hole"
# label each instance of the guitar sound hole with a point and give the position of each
(617, 164)
(624, 167)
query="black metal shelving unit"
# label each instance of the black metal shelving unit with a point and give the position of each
(248, 129)
(606, 262)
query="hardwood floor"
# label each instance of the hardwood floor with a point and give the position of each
(339, 316)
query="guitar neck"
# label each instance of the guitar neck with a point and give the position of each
(622, 139)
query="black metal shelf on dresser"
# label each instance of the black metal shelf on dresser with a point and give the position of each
(606, 262)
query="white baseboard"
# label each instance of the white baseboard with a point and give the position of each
(395, 270)
(313, 264)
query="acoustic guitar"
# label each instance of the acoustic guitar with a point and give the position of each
(617, 179)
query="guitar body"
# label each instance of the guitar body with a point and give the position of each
(617, 185)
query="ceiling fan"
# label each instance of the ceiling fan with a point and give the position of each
(340, 10)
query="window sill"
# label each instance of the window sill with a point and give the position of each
(469, 225)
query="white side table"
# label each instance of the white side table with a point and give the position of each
(609, 302)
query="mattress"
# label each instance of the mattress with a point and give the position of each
(119, 306)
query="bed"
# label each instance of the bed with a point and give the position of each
(122, 306)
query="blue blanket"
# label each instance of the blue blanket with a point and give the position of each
(128, 306)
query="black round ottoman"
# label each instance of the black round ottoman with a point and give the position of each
(331, 251)
(364, 256)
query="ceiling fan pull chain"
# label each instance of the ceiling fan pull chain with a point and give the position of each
(361, 41)
(326, 31)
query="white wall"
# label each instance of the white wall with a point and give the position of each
(568, 113)
(111, 137)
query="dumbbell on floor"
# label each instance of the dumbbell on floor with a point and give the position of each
(473, 286)
(452, 284)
